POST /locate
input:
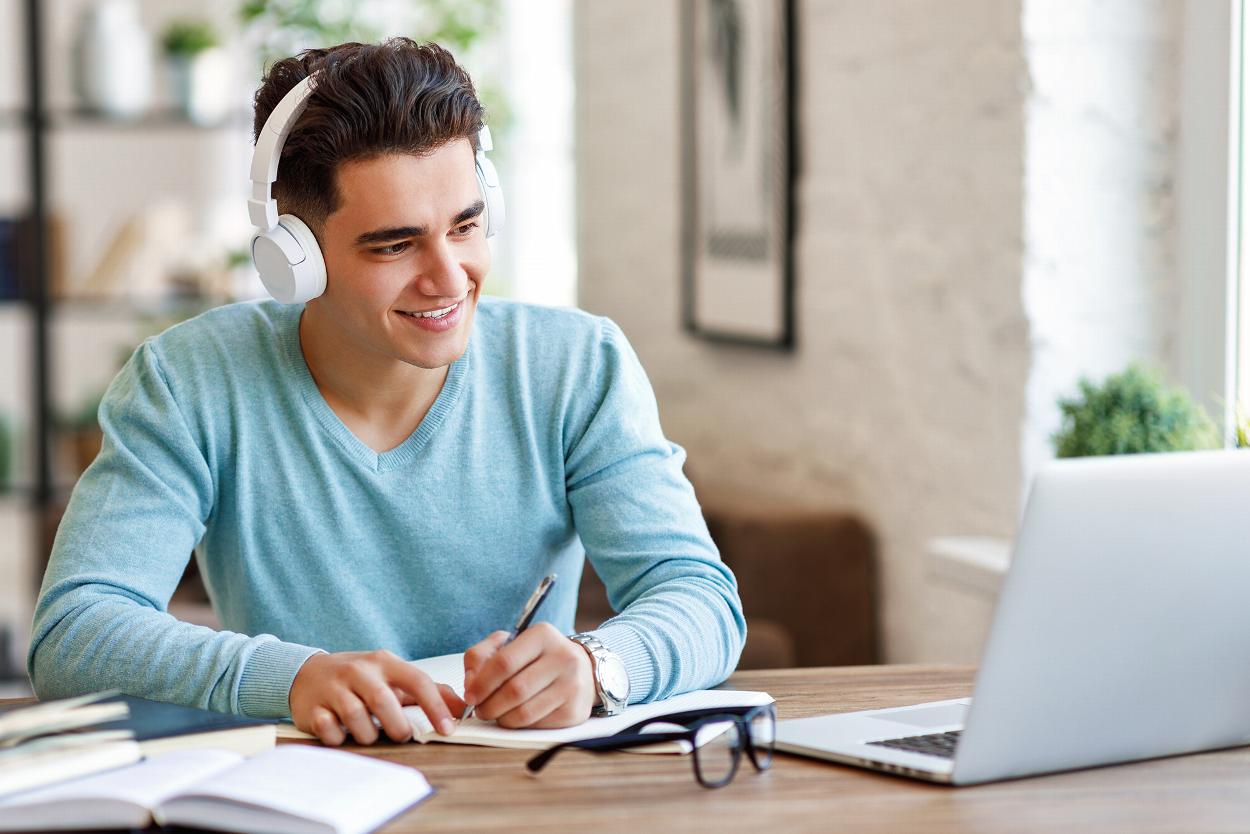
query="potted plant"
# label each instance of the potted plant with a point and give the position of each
(199, 70)
(1130, 413)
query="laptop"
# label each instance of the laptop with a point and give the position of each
(1122, 633)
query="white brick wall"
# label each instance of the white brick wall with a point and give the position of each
(941, 191)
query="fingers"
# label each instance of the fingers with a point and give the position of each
(337, 694)
(380, 700)
(325, 726)
(425, 693)
(491, 670)
(534, 711)
(540, 679)
(453, 701)
(479, 653)
(520, 688)
(353, 713)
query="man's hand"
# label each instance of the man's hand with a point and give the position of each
(346, 689)
(542, 679)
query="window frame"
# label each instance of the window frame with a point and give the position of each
(1210, 221)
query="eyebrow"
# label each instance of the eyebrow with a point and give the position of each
(400, 232)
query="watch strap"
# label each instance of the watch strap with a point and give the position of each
(594, 647)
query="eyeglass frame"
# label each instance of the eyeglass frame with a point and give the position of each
(693, 720)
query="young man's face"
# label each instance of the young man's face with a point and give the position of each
(409, 237)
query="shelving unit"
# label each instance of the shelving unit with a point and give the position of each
(40, 497)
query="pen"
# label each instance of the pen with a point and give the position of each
(523, 622)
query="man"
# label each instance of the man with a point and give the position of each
(385, 471)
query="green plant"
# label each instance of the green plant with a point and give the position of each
(186, 38)
(1241, 430)
(1130, 413)
(7, 452)
(286, 27)
(289, 26)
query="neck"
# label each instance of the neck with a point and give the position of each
(362, 385)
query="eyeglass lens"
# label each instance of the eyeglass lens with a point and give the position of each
(717, 751)
(763, 741)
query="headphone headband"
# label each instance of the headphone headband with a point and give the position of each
(263, 208)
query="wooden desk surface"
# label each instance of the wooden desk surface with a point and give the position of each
(484, 789)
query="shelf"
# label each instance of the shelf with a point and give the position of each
(133, 307)
(159, 119)
(118, 308)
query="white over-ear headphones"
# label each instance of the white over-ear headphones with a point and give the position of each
(284, 249)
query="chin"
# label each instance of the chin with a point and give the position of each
(435, 356)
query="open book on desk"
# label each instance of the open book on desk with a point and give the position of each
(449, 669)
(289, 790)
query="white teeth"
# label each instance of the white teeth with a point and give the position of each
(433, 314)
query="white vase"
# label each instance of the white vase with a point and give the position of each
(202, 85)
(113, 60)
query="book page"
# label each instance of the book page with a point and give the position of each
(344, 791)
(144, 785)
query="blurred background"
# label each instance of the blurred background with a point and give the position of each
(867, 252)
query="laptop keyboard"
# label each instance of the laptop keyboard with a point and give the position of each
(933, 744)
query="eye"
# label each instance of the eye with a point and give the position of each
(393, 249)
(465, 229)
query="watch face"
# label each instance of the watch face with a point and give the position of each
(613, 678)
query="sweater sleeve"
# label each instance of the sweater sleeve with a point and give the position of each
(680, 625)
(101, 620)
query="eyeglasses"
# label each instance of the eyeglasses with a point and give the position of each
(717, 737)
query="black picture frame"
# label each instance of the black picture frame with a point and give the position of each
(738, 121)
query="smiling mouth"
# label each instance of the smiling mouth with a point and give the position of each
(432, 314)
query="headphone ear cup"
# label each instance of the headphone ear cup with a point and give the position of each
(492, 194)
(289, 261)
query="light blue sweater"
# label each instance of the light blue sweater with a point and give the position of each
(543, 447)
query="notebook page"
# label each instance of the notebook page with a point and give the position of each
(488, 734)
(345, 791)
(446, 668)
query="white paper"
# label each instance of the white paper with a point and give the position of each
(476, 731)
(345, 791)
(147, 783)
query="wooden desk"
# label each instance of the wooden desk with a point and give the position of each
(483, 789)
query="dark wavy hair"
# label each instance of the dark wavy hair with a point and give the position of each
(397, 96)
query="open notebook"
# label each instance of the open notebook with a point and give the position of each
(294, 789)
(449, 669)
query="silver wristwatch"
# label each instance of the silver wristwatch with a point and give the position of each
(611, 680)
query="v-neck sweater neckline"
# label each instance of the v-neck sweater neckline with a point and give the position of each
(403, 454)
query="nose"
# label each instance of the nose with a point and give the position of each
(441, 274)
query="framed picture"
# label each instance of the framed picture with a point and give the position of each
(738, 171)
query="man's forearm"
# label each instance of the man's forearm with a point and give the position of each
(681, 635)
(86, 640)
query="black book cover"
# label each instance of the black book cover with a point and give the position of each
(156, 719)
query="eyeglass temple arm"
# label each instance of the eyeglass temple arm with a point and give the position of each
(604, 745)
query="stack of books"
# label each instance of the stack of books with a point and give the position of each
(108, 761)
(49, 742)
(58, 740)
